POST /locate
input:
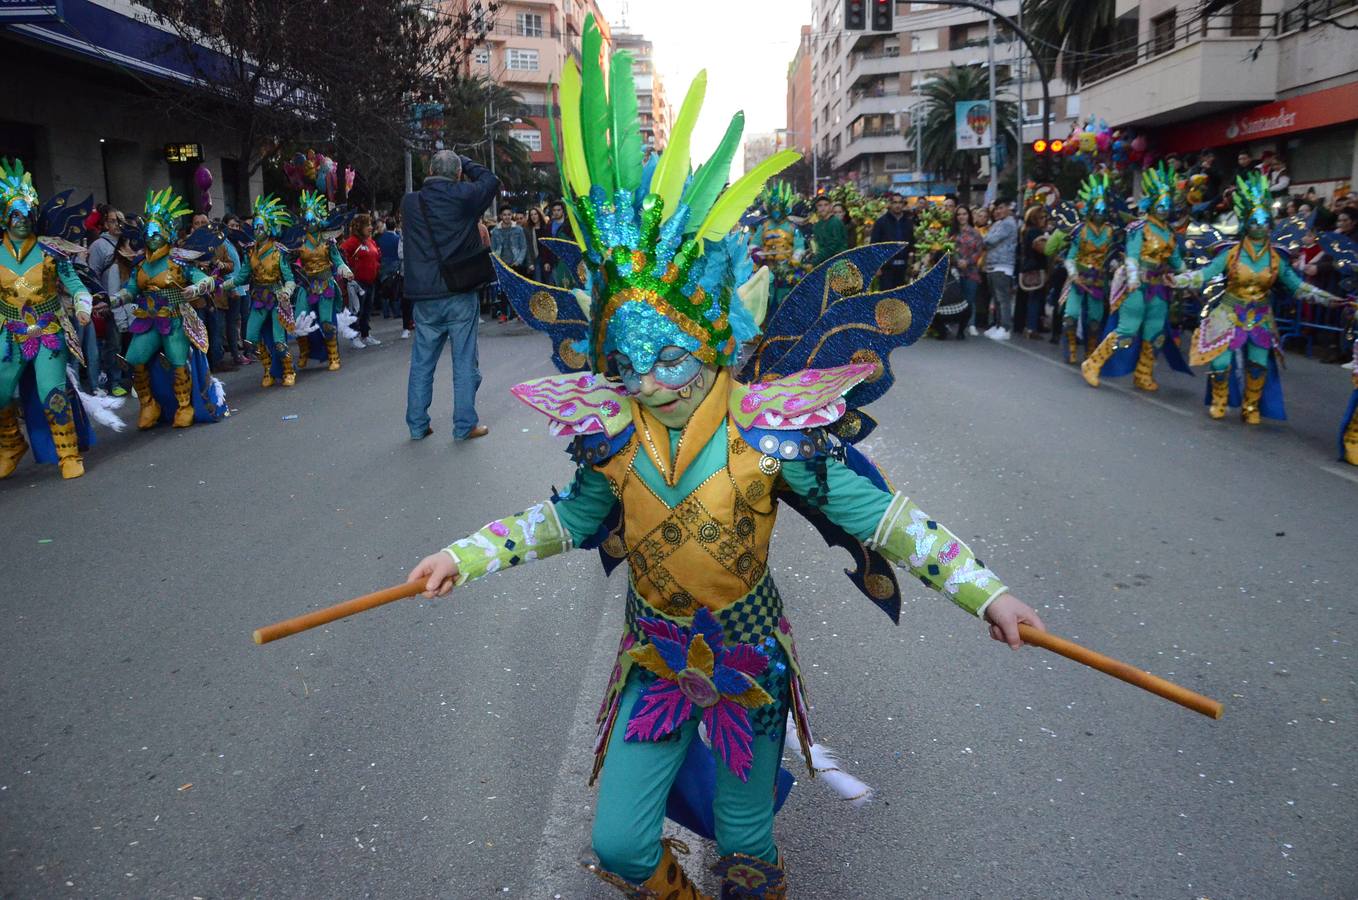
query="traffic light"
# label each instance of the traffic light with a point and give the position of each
(883, 15)
(855, 15)
(1048, 155)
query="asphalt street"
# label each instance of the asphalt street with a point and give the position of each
(148, 749)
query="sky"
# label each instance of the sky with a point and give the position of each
(745, 45)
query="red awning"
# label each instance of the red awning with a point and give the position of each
(1302, 113)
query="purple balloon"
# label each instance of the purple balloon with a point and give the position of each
(203, 178)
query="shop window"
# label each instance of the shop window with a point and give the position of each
(1321, 155)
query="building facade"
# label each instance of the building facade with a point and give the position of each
(1268, 76)
(526, 47)
(799, 95)
(653, 107)
(82, 111)
(761, 145)
(866, 87)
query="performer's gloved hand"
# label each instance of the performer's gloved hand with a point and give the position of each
(438, 571)
(346, 273)
(286, 291)
(1004, 614)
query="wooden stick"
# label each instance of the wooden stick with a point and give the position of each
(290, 627)
(1121, 670)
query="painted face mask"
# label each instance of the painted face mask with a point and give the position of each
(18, 197)
(164, 208)
(1251, 201)
(1095, 192)
(1157, 184)
(270, 216)
(315, 209)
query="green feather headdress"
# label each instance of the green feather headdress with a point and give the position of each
(779, 193)
(164, 208)
(315, 204)
(1157, 184)
(646, 231)
(17, 193)
(1096, 192)
(1252, 200)
(270, 212)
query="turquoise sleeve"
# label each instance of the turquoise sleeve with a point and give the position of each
(853, 502)
(1287, 276)
(336, 260)
(1134, 243)
(584, 504)
(193, 274)
(1216, 266)
(241, 276)
(284, 267)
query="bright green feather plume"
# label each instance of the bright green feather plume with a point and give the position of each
(733, 202)
(573, 161)
(711, 176)
(595, 120)
(672, 170)
(622, 95)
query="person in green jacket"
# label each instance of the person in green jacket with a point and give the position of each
(828, 236)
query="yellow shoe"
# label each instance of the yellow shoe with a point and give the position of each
(1350, 443)
(1221, 391)
(183, 396)
(72, 468)
(63, 436)
(669, 880)
(289, 376)
(266, 362)
(150, 409)
(1091, 367)
(303, 349)
(1144, 377)
(332, 351)
(1072, 343)
(1254, 388)
(12, 443)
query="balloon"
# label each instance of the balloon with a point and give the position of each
(1103, 141)
(349, 175)
(205, 201)
(202, 177)
(1139, 143)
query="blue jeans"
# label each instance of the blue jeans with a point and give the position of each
(452, 319)
(969, 289)
(89, 345)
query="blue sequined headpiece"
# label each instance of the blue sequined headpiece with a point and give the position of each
(1252, 199)
(17, 193)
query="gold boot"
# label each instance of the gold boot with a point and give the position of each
(1144, 377)
(1072, 343)
(1350, 442)
(289, 376)
(332, 350)
(1254, 387)
(1220, 383)
(750, 878)
(1090, 367)
(669, 880)
(61, 420)
(1092, 339)
(12, 443)
(150, 409)
(266, 361)
(183, 397)
(303, 349)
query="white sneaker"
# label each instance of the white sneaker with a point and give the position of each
(357, 343)
(405, 334)
(372, 341)
(971, 331)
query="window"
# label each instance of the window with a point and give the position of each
(922, 41)
(1162, 32)
(530, 139)
(528, 24)
(1072, 105)
(481, 56)
(521, 60)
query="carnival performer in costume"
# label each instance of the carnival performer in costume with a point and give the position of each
(265, 268)
(1241, 318)
(681, 459)
(163, 321)
(778, 242)
(1086, 263)
(37, 335)
(1142, 309)
(318, 262)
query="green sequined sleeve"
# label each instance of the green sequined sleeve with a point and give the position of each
(535, 533)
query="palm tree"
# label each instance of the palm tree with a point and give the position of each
(465, 112)
(938, 137)
(1078, 32)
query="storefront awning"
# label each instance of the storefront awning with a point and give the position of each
(1317, 109)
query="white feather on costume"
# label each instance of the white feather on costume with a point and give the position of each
(218, 391)
(306, 324)
(827, 767)
(99, 409)
(345, 319)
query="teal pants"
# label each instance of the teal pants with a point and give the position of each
(49, 367)
(1254, 356)
(323, 307)
(174, 345)
(1137, 315)
(1078, 303)
(255, 324)
(636, 779)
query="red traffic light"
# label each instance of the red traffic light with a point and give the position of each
(1039, 147)
(1057, 146)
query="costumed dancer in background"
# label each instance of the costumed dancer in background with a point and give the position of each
(163, 321)
(266, 270)
(318, 262)
(1141, 309)
(934, 240)
(37, 336)
(778, 242)
(1240, 320)
(1086, 263)
(680, 461)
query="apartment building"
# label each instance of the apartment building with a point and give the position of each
(761, 145)
(866, 87)
(799, 95)
(1262, 76)
(527, 44)
(653, 106)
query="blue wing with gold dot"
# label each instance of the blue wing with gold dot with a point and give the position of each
(567, 253)
(552, 310)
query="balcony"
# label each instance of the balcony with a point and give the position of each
(1177, 74)
(886, 140)
(881, 103)
(879, 62)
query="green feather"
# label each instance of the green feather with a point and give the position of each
(556, 145)
(622, 95)
(711, 176)
(672, 170)
(733, 202)
(576, 171)
(594, 119)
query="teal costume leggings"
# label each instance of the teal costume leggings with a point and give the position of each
(49, 367)
(636, 780)
(1077, 302)
(324, 308)
(1254, 356)
(174, 345)
(1137, 315)
(255, 324)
